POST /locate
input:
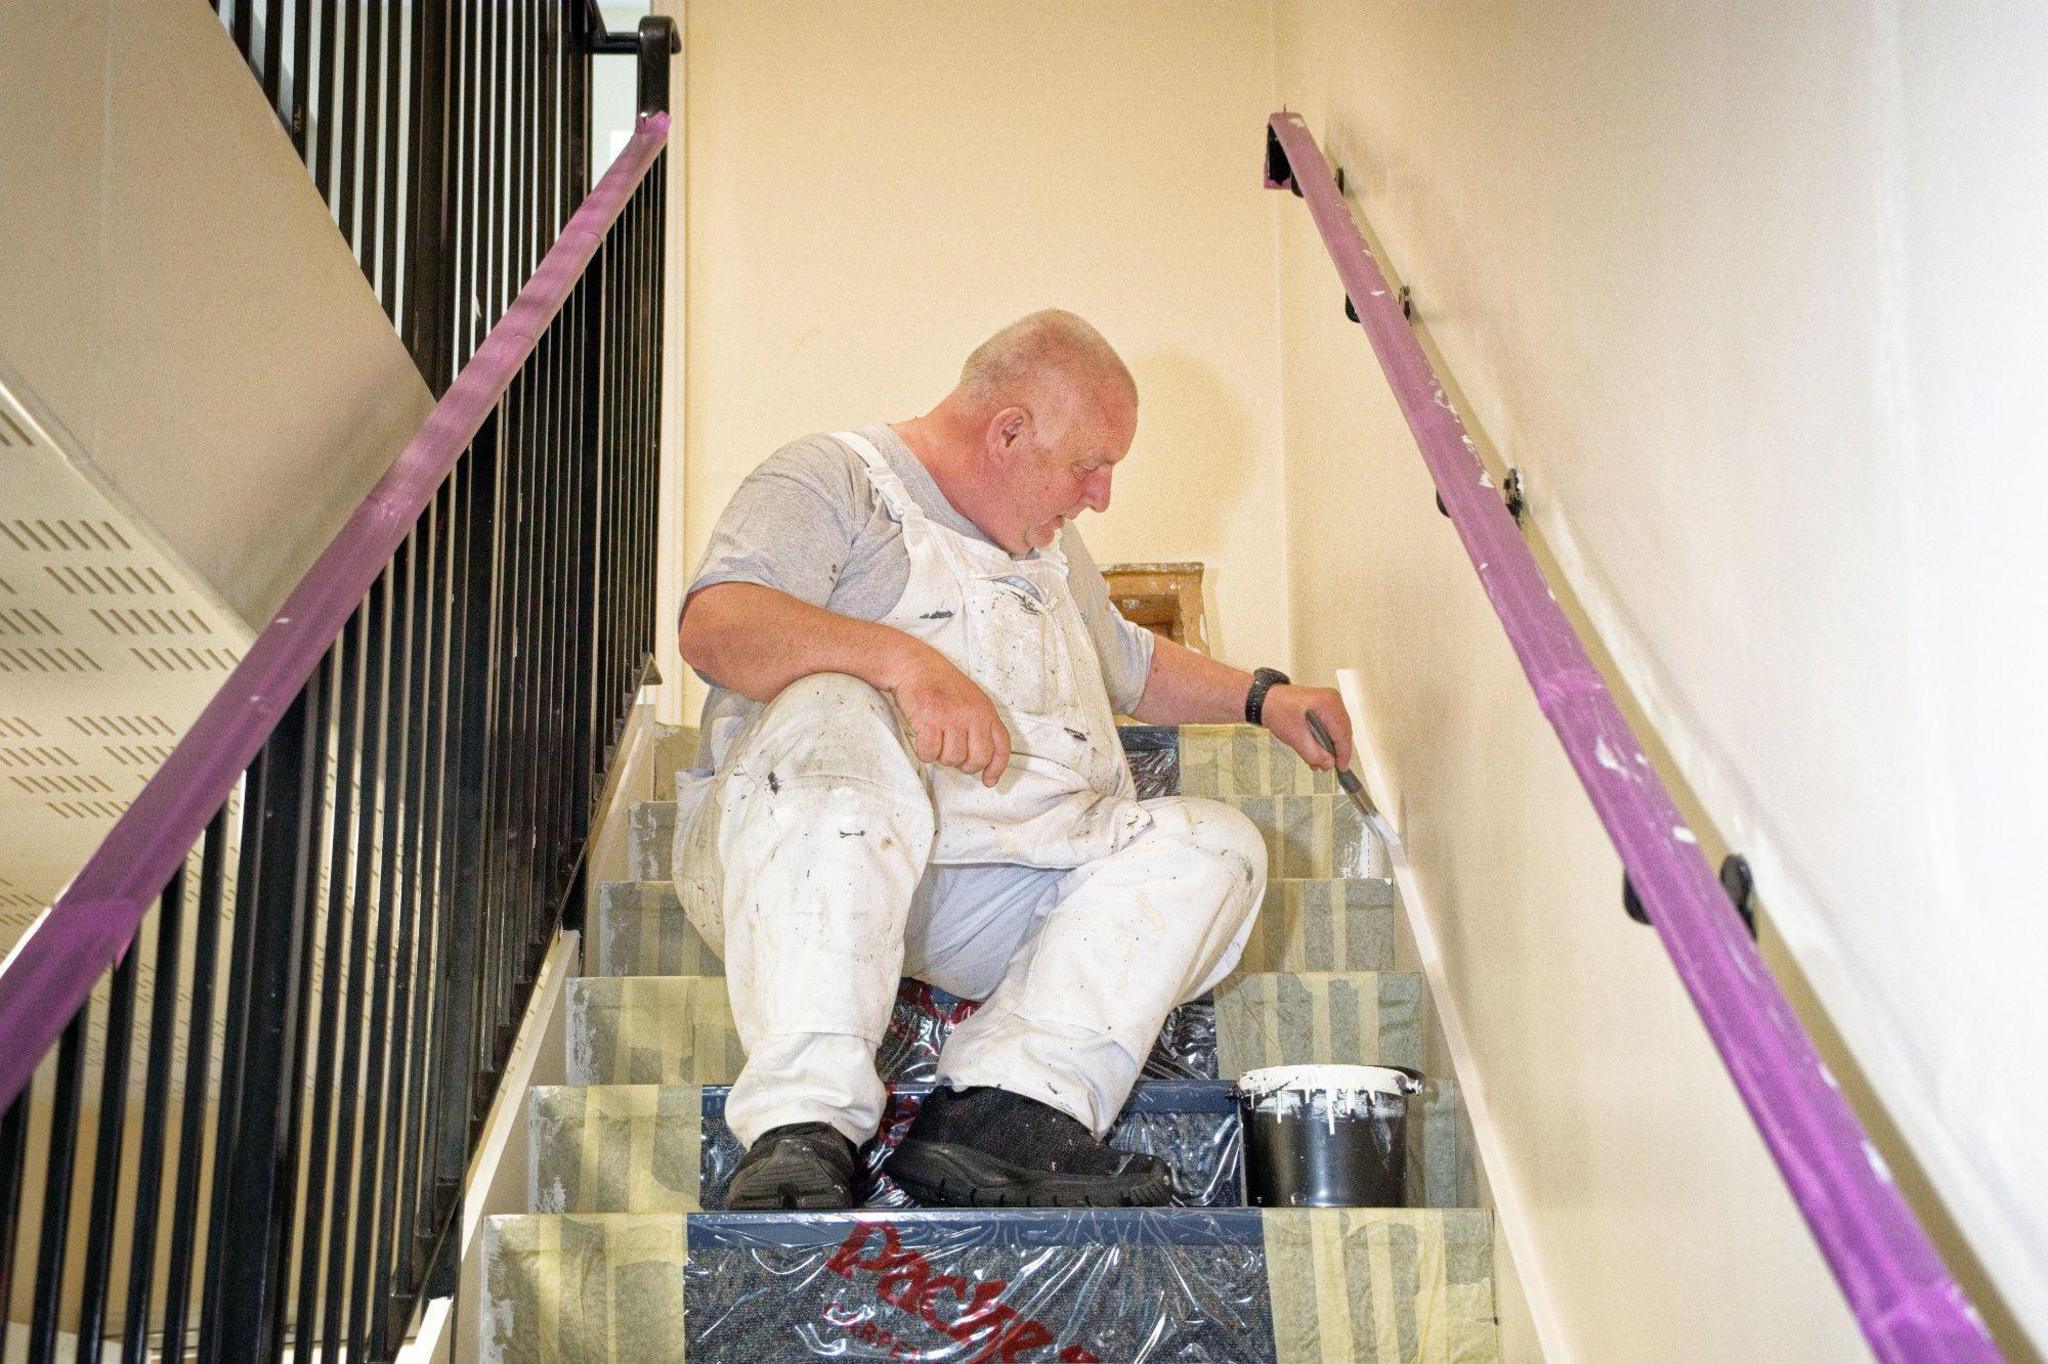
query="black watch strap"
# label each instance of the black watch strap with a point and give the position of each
(1264, 680)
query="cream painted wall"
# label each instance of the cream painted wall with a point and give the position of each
(1753, 296)
(872, 192)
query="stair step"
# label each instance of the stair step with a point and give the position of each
(675, 748)
(1289, 1018)
(1325, 924)
(1242, 1285)
(1192, 760)
(667, 1030)
(1313, 837)
(1222, 761)
(666, 1148)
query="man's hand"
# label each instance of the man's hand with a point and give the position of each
(951, 720)
(1285, 712)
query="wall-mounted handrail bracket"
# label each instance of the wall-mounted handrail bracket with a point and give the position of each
(654, 42)
(1736, 879)
(1908, 1304)
(1511, 495)
(1279, 173)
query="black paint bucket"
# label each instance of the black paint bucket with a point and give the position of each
(1325, 1136)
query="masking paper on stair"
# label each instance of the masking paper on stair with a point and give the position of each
(1222, 761)
(1357, 1285)
(1192, 1126)
(1134, 1286)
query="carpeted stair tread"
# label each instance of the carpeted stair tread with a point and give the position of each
(1196, 760)
(665, 1148)
(1312, 836)
(1241, 760)
(1277, 1018)
(1305, 924)
(1387, 1286)
(678, 1029)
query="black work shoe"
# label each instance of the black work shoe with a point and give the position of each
(986, 1147)
(804, 1165)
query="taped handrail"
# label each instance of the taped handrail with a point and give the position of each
(1906, 1302)
(53, 970)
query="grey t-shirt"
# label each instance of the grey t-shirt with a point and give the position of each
(808, 522)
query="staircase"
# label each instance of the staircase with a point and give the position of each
(623, 1256)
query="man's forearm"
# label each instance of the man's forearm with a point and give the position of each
(755, 640)
(1187, 688)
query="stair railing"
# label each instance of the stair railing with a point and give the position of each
(449, 139)
(1908, 1305)
(317, 926)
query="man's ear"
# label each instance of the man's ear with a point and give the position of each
(1009, 431)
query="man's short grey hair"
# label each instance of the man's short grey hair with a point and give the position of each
(1052, 340)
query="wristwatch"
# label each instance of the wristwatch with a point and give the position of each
(1264, 680)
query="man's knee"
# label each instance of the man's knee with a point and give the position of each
(1220, 838)
(831, 725)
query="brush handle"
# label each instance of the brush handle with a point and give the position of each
(1315, 727)
(1346, 779)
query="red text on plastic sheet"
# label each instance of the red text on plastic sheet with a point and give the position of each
(946, 1302)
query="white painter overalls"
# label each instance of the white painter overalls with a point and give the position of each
(823, 862)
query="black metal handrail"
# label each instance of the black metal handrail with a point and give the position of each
(319, 923)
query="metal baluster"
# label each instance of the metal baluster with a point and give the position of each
(428, 297)
(389, 177)
(198, 1064)
(394, 1243)
(589, 749)
(519, 264)
(255, 1225)
(106, 1158)
(156, 1098)
(13, 1157)
(494, 193)
(63, 1147)
(347, 183)
(460, 213)
(323, 154)
(417, 1182)
(467, 888)
(375, 64)
(245, 30)
(241, 971)
(367, 1293)
(374, 693)
(273, 50)
(345, 662)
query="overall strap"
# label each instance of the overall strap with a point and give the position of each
(888, 485)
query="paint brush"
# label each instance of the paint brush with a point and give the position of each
(1354, 788)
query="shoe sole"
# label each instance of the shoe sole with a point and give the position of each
(788, 1184)
(784, 1200)
(951, 1175)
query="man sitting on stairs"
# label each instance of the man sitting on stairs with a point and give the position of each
(913, 769)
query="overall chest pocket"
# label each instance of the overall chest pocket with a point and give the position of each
(1016, 648)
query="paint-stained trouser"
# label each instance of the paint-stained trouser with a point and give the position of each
(805, 868)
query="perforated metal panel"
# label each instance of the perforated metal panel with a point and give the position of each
(108, 650)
